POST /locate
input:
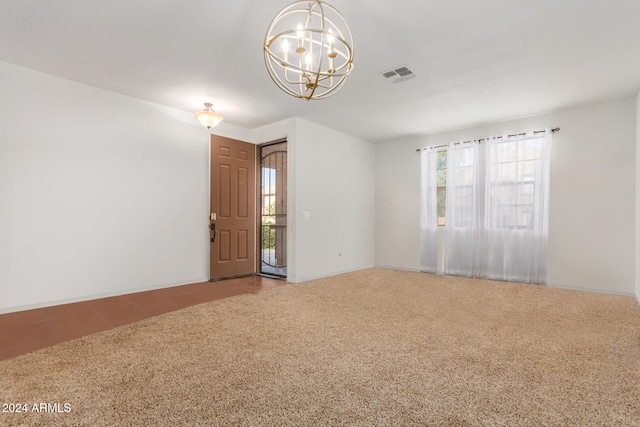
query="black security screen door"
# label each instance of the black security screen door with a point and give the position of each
(273, 210)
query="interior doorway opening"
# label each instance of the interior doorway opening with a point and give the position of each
(272, 251)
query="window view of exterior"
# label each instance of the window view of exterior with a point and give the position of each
(269, 209)
(441, 183)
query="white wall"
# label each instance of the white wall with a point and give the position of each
(335, 184)
(100, 194)
(638, 197)
(592, 198)
(331, 176)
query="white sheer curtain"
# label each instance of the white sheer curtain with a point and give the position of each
(428, 212)
(462, 234)
(516, 211)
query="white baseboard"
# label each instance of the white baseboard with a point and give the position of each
(600, 291)
(309, 278)
(574, 288)
(391, 267)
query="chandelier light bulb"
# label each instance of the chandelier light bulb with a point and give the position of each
(285, 52)
(300, 35)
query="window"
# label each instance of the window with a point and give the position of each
(513, 166)
(441, 185)
(462, 183)
(494, 203)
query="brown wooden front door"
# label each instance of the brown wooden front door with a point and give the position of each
(233, 213)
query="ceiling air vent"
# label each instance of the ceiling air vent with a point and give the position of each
(398, 75)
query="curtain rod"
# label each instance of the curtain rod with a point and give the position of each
(556, 129)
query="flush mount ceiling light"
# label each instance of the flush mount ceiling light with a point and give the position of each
(208, 117)
(308, 49)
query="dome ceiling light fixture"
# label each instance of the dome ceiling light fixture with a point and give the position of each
(308, 49)
(208, 117)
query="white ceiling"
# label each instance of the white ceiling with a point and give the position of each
(475, 61)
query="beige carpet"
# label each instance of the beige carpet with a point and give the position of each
(371, 348)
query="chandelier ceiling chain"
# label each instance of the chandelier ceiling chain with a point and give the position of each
(308, 49)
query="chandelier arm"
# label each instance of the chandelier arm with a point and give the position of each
(323, 78)
(276, 58)
(330, 87)
(328, 92)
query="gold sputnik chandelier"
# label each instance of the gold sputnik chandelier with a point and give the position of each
(308, 49)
